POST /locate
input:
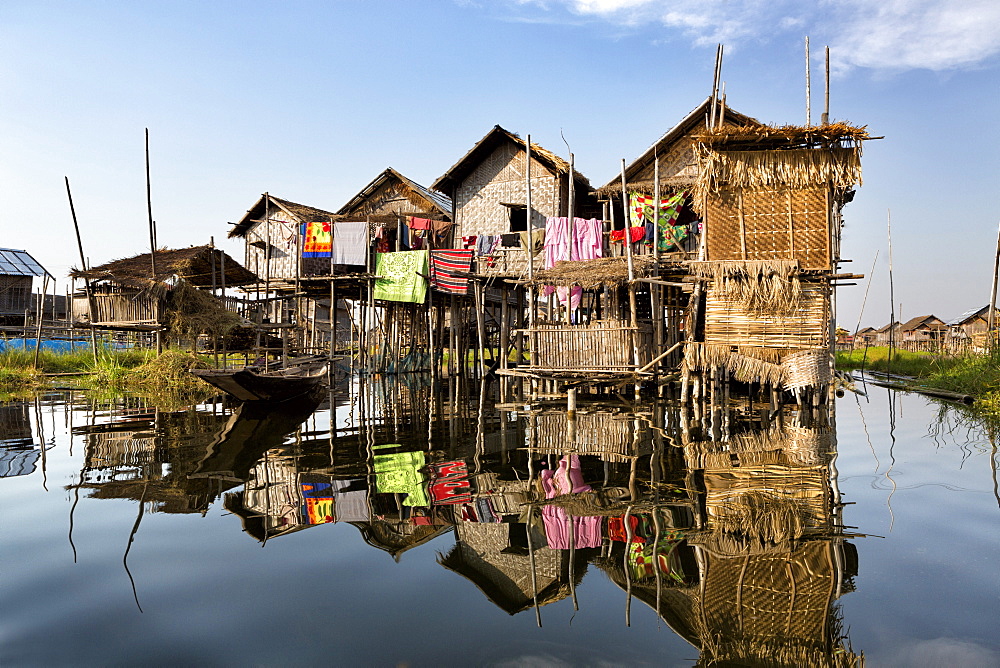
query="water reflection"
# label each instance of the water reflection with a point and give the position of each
(726, 523)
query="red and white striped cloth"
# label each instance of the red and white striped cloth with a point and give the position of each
(448, 268)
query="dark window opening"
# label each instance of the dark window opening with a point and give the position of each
(518, 219)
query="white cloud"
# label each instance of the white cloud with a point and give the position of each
(883, 34)
(944, 652)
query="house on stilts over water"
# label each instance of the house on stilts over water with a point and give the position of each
(181, 292)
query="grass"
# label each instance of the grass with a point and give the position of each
(975, 374)
(162, 379)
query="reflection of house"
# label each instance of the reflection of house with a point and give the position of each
(17, 269)
(18, 455)
(496, 558)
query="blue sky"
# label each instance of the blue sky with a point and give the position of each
(311, 100)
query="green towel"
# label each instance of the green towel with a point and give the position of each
(399, 473)
(401, 276)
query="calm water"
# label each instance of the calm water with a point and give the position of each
(416, 531)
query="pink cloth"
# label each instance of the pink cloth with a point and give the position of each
(585, 243)
(567, 479)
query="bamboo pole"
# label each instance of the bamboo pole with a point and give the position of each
(86, 281)
(149, 210)
(808, 87)
(991, 320)
(825, 118)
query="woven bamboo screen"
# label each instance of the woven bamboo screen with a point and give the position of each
(778, 604)
(612, 437)
(602, 345)
(727, 323)
(778, 224)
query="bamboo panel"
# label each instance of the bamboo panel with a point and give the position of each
(506, 262)
(603, 345)
(120, 449)
(781, 224)
(609, 436)
(806, 327)
(780, 599)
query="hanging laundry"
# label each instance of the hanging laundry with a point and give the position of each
(350, 243)
(510, 240)
(441, 229)
(635, 234)
(316, 239)
(419, 223)
(536, 242)
(448, 268)
(487, 243)
(583, 242)
(401, 276)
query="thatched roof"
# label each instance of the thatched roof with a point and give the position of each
(193, 264)
(593, 274)
(924, 322)
(758, 136)
(298, 212)
(426, 200)
(662, 146)
(485, 146)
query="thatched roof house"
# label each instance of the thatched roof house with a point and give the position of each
(392, 193)
(127, 295)
(201, 266)
(923, 328)
(487, 186)
(676, 152)
(272, 230)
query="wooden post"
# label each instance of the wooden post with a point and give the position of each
(504, 326)
(991, 320)
(808, 87)
(480, 327)
(633, 309)
(825, 118)
(149, 209)
(86, 281)
(570, 227)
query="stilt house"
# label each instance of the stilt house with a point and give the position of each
(17, 269)
(126, 295)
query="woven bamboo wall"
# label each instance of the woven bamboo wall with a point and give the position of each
(600, 345)
(500, 178)
(280, 234)
(786, 224)
(769, 599)
(807, 327)
(123, 305)
(610, 436)
(679, 161)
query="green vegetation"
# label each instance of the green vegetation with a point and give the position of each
(975, 374)
(163, 379)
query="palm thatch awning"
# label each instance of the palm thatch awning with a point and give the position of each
(194, 265)
(759, 136)
(594, 274)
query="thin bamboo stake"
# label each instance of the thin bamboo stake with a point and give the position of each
(86, 281)
(825, 118)
(808, 87)
(991, 320)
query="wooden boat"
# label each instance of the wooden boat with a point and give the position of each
(258, 384)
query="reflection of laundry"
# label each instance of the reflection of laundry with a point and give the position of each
(350, 500)
(561, 529)
(450, 483)
(644, 558)
(399, 473)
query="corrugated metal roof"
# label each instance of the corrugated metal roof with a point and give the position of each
(19, 263)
